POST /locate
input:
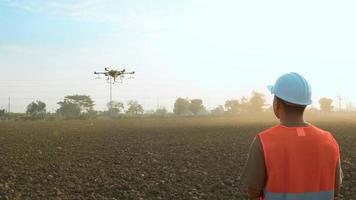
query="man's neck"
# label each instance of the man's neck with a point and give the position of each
(292, 120)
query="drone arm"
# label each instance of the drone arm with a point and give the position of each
(100, 73)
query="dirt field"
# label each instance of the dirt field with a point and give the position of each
(192, 158)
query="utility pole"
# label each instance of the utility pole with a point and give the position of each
(110, 88)
(158, 106)
(9, 106)
(340, 99)
(114, 76)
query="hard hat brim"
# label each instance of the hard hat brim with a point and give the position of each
(270, 88)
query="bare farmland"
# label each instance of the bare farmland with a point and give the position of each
(190, 158)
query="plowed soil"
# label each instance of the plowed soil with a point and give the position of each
(190, 158)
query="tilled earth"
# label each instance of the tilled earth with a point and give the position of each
(192, 158)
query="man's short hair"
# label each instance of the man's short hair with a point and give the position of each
(291, 107)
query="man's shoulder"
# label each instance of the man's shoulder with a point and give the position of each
(267, 131)
(325, 134)
(320, 130)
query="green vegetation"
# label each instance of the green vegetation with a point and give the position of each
(36, 110)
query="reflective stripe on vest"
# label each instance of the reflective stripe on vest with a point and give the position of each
(323, 195)
(300, 163)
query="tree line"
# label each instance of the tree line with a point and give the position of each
(82, 106)
(255, 104)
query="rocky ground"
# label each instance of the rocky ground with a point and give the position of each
(139, 158)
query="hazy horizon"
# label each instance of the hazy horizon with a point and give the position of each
(190, 48)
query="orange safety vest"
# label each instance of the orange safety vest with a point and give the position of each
(300, 163)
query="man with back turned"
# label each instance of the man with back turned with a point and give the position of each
(293, 160)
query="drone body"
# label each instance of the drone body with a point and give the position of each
(114, 75)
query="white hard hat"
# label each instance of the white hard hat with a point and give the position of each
(292, 88)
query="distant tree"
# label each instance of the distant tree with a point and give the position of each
(2, 113)
(256, 103)
(161, 111)
(196, 106)
(218, 110)
(244, 105)
(311, 110)
(75, 105)
(181, 106)
(36, 109)
(134, 108)
(326, 105)
(68, 109)
(85, 103)
(232, 106)
(91, 114)
(115, 107)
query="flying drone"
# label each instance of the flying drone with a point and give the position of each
(115, 76)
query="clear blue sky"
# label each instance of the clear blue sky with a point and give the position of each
(214, 50)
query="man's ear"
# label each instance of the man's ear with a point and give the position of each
(276, 107)
(278, 104)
